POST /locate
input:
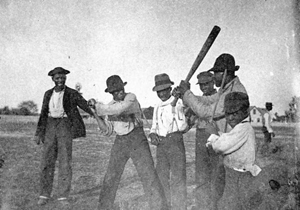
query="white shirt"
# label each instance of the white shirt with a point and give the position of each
(238, 147)
(56, 108)
(267, 122)
(165, 121)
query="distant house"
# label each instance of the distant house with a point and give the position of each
(256, 115)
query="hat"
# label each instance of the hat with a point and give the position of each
(162, 81)
(204, 77)
(224, 61)
(114, 83)
(235, 101)
(58, 70)
(269, 104)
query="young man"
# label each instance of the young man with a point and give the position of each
(213, 107)
(238, 148)
(59, 123)
(166, 133)
(124, 118)
(267, 128)
(205, 162)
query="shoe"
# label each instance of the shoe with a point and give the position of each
(42, 201)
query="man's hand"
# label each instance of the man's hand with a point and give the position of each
(154, 139)
(184, 86)
(91, 103)
(38, 140)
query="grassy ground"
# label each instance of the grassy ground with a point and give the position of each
(19, 178)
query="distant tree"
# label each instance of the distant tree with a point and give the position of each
(5, 110)
(148, 112)
(28, 106)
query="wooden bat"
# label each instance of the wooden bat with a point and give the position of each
(205, 48)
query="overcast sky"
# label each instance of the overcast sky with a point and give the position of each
(138, 39)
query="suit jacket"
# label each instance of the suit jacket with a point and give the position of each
(71, 100)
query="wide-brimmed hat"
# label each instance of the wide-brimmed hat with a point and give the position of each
(162, 81)
(269, 104)
(204, 77)
(236, 101)
(114, 83)
(58, 70)
(224, 61)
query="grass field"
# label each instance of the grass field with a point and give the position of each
(19, 178)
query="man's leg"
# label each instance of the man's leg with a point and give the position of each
(177, 158)
(48, 160)
(218, 182)
(64, 141)
(163, 169)
(142, 159)
(118, 158)
(203, 171)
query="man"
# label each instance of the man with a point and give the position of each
(266, 128)
(59, 123)
(205, 162)
(168, 125)
(124, 118)
(213, 107)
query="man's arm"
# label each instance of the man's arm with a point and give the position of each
(201, 105)
(82, 103)
(129, 105)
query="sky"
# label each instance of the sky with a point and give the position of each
(138, 39)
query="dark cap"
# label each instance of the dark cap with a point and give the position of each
(114, 83)
(224, 61)
(236, 101)
(205, 77)
(162, 81)
(269, 104)
(58, 70)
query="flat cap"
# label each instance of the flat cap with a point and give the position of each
(236, 101)
(204, 77)
(58, 70)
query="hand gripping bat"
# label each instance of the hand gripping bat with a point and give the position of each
(206, 46)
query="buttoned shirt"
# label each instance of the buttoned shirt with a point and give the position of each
(165, 120)
(125, 115)
(56, 108)
(238, 147)
(202, 122)
(203, 106)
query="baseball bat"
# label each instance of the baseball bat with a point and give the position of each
(205, 48)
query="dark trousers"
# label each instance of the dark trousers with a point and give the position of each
(209, 174)
(58, 144)
(135, 146)
(267, 140)
(171, 169)
(237, 192)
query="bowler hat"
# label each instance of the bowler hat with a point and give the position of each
(58, 70)
(269, 104)
(162, 81)
(236, 101)
(224, 61)
(204, 77)
(114, 83)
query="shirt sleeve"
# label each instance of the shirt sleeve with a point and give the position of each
(154, 120)
(201, 105)
(230, 142)
(129, 105)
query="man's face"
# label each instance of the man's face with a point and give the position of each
(164, 94)
(218, 76)
(207, 88)
(269, 108)
(236, 117)
(119, 95)
(59, 81)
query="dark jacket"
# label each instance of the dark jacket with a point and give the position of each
(71, 100)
